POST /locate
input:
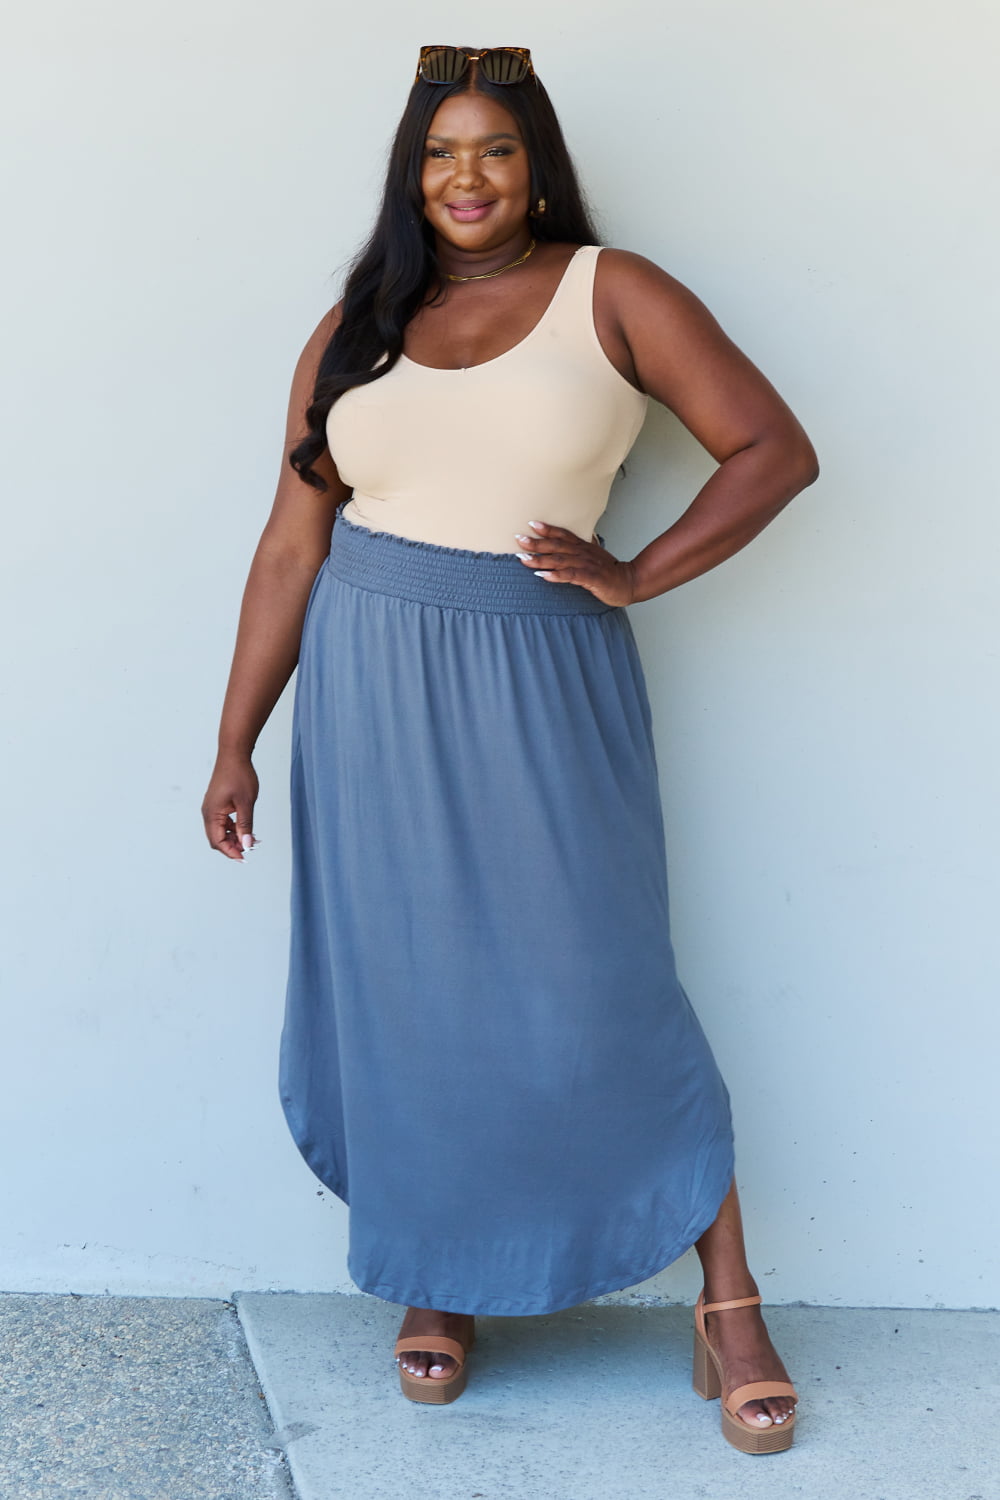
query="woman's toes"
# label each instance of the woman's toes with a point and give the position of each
(755, 1414)
(420, 1364)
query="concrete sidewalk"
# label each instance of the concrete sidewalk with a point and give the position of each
(136, 1398)
(596, 1404)
(131, 1398)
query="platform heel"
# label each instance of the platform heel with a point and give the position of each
(707, 1383)
(706, 1377)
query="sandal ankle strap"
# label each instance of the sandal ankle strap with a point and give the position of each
(735, 1302)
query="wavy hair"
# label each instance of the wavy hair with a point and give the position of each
(389, 277)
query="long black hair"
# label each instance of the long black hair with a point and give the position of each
(391, 274)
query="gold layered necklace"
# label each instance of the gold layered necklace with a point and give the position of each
(484, 275)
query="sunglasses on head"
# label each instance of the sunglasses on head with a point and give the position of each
(497, 64)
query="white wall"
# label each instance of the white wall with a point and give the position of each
(186, 183)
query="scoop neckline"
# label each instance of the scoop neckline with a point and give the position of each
(482, 365)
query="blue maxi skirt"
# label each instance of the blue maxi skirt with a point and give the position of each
(486, 1051)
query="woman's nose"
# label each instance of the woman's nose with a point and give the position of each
(467, 170)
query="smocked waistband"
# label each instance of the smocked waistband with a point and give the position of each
(451, 577)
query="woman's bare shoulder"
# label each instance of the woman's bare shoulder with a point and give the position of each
(683, 357)
(639, 309)
(323, 332)
(307, 364)
(632, 282)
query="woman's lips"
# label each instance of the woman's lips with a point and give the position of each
(469, 213)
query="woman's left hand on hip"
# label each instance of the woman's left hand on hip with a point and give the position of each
(560, 556)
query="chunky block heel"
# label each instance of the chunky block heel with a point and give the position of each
(706, 1377)
(707, 1381)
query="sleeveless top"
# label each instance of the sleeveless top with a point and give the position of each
(467, 457)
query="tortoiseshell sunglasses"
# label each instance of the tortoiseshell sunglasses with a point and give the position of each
(498, 64)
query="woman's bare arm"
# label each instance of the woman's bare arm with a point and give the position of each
(684, 359)
(667, 342)
(291, 550)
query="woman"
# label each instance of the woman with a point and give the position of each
(486, 1049)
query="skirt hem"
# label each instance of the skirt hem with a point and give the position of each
(513, 1307)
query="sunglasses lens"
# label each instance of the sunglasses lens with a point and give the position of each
(502, 66)
(443, 65)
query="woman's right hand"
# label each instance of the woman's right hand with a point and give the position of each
(227, 809)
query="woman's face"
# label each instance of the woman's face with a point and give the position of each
(474, 156)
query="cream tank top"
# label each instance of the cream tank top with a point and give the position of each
(466, 458)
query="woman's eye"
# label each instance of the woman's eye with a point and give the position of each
(493, 151)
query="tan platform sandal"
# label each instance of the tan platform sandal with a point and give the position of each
(707, 1382)
(435, 1389)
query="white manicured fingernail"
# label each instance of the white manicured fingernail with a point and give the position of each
(537, 524)
(247, 841)
(524, 556)
(542, 573)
